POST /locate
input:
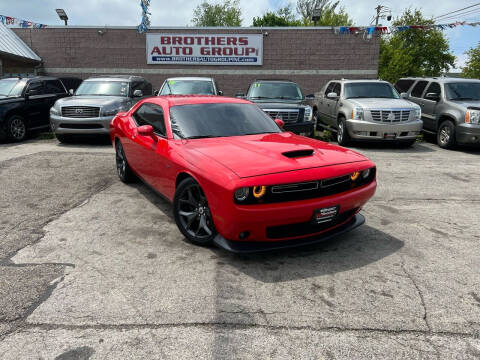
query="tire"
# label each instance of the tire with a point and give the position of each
(407, 143)
(192, 214)
(64, 139)
(343, 138)
(315, 121)
(446, 135)
(16, 128)
(124, 171)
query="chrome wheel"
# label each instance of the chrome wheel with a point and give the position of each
(445, 134)
(120, 160)
(194, 213)
(18, 129)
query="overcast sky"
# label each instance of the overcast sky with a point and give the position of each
(179, 13)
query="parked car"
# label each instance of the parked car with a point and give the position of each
(190, 86)
(450, 107)
(235, 178)
(367, 110)
(282, 99)
(25, 104)
(95, 103)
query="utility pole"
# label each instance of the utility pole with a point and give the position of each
(382, 12)
(379, 9)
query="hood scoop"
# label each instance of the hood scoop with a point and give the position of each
(298, 153)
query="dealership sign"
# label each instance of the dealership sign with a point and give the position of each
(205, 49)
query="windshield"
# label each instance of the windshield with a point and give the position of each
(188, 87)
(370, 90)
(463, 91)
(275, 90)
(11, 87)
(220, 119)
(103, 88)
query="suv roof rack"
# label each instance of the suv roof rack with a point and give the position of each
(274, 80)
(117, 76)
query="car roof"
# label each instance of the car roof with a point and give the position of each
(32, 78)
(360, 80)
(115, 78)
(190, 78)
(441, 79)
(175, 100)
(275, 80)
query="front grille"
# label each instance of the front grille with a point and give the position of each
(80, 112)
(81, 126)
(390, 116)
(287, 115)
(309, 190)
(306, 228)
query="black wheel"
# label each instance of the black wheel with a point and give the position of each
(16, 128)
(315, 121)
(192, 214)
(343, 138)
(446, 135)
(124, 172)
(406, 143)
(65, 139)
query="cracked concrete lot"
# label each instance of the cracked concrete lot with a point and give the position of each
(91, 268)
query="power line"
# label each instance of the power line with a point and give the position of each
(457, 16)
(451, 12)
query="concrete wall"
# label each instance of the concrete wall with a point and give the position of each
(306, 55)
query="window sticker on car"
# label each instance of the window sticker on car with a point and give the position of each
(171, 82)
(256, 85)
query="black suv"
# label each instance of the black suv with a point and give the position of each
(25, 104)
(283, 99)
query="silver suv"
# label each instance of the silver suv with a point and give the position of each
(95, 103)
(450, 107)
(366, 110)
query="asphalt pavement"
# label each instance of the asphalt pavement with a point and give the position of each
(91, 268)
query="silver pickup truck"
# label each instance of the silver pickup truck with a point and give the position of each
(366, 110)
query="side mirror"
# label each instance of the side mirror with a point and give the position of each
(145, 130)
(280, 123)
(332, 95)
(240, 95)
(220, 92)
(155, 92)
(71, 91)
(432, 96)
(404, 95)
(310, 97)
(137, 93)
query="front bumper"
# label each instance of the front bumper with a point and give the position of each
(64, 125)
(259, 219)
(299, 128)
(246, 247)
(468, 134)
(366, 130)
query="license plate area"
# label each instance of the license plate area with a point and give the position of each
(390, 136)
(324, 215)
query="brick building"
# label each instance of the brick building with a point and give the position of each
(309, 56)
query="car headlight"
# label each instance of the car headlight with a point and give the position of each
(357, 113)
(472, 117)
(241, 194)
(54, 111)
(308, 113)
(418, 113)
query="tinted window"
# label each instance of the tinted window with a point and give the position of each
(434, 88)
(329, 88)
(274, 90)
(35, 88)
(404, 85)
(463, 91)
(103, 88)
(144, 86)
(418, 89)
(54, 87)
(337, 88)
(220, 119)
(188, 87)
(151, 114)
(370, 90)
(11, 87)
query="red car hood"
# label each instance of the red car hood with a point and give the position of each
(255, 155)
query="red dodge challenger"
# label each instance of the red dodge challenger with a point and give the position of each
(235, 178)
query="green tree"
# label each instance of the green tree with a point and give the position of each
(227, 13)
(283, 17)
(472, 67)
(331, 14)
(414, 52)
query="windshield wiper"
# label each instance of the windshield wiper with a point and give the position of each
(200, 137)
(463, 98)
(261, 97)
(287, 98)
